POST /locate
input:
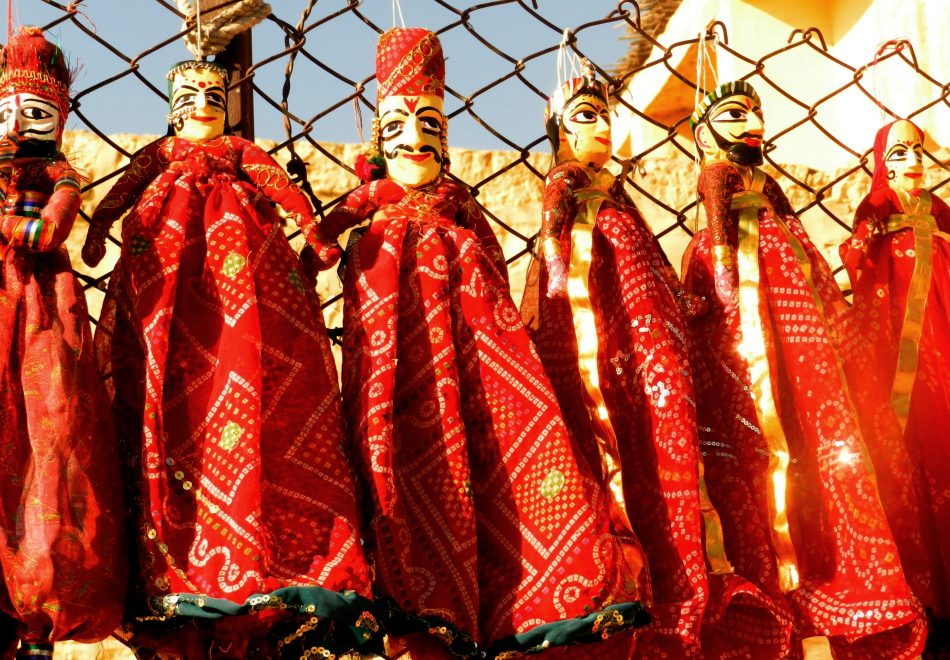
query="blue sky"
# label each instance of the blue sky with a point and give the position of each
(344, 44)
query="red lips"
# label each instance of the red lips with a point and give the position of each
(603, 140)
(417, 157)
(203, 118)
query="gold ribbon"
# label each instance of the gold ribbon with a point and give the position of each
(918, 219)
(585, 330)
(715, 543)
(748, 203)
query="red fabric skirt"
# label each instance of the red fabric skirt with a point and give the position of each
(62, 551)
(226, 396)
(913, 471)
(852, 588)
(645, 377)
(483, 523)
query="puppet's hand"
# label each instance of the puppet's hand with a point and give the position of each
(726, 290)
(308, 265)
(94, 249)
(557, 275)
(325, 255)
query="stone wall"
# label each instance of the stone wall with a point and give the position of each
(514, 197)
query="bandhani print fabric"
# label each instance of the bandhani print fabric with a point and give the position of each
(218, 362)
(898, 260)
(620, 278)
(768, 373)
(486, 529)
(62, 552)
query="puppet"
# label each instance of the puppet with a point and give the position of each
(786, 464)
(484, 524)
(898, 260)
(62, 553)
(225, 393)
(607, 314)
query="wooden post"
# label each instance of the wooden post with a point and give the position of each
(237, 59)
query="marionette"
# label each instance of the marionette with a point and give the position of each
(486, 530)
(606, 311)
(898, 260)
(786, 464)
(62, 555)
(225, 393)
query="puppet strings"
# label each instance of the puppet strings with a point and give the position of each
(397, 8)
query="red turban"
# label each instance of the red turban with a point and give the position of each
(409, 62)
(32, 65)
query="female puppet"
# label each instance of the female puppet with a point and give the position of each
(61, 547)
(785, 459)
(224, 389)
(899, 263)
(484, 523)
(607, 313)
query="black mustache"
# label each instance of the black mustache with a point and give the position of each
(391, 154)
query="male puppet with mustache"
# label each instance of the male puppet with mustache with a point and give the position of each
(784, 445)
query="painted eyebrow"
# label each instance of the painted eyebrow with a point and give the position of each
(398, 111)
(45, 102)
(585, 103)
(429, 107)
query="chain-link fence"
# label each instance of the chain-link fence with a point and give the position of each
(313, 83)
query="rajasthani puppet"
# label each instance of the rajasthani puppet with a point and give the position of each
(62, 553)
(224, 389)
(898, 260)
(786, 464)
(484, 524)
(606, 311)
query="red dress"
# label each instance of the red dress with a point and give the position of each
(785, 459)
(225, 393)
(898, 260)
(633, 364)
(62, 555)
(484, 524)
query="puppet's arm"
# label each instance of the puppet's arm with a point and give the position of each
(49, 230)
(717, 184)
(558, 210)
(146, 164)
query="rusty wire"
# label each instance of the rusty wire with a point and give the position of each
(666, 216)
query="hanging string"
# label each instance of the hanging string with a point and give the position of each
(9, 20)
(201, 54)
(398, 8)
(891, 44)
(704, 61)
(568, 65)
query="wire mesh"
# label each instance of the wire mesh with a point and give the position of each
(315, 88)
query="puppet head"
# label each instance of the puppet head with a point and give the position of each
(728, 125)
(577, 120)
(410, 126)
(899, 156)
(34, 87)
(197, 99)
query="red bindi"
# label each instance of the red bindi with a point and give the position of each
(201, 84)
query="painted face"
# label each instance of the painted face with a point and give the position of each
(585, 132)
(904, 157)
(733, 130)
(31, 117)
(198, 104)
(410, 132)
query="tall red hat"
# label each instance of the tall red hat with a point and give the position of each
(30, 64)
(409, 62)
